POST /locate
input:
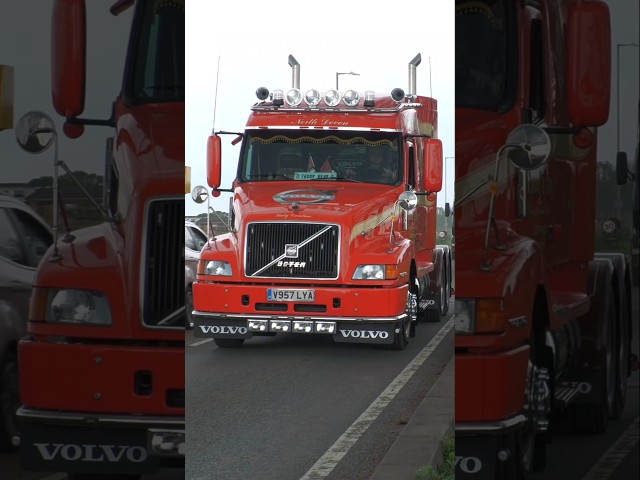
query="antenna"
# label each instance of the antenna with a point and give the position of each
(215, 99)
(430, 89)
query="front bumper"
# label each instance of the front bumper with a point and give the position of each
(350, 314)
(90, 443)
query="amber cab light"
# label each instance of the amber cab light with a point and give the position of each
(490, 316)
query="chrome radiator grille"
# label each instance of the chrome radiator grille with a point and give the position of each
(163, 286)
(292, 250)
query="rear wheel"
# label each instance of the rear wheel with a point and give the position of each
(229, 342)
(622, 360)
(593, 417)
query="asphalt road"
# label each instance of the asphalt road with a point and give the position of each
(273, 408)
(614, 455)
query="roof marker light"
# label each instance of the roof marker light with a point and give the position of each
(278, 98)
(369, 99)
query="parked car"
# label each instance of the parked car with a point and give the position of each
(24, 239)
(194, 240)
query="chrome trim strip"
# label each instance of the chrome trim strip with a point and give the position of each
(499, 426)
(84, 419)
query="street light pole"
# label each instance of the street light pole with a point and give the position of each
(618, 199)
(343, 73)
(446, 219)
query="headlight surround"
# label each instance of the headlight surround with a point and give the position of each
(218, 268)
(376, 272)
(77, 306)
(465, 318)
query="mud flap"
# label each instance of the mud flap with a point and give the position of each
(220, 328)
(55, 448)
(476, 457)
(366, 333)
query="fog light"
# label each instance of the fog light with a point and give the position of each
(167, 442)
(258, 325)
(280, 325)
(325, 327)
(303, 326)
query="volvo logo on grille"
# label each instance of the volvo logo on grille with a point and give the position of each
(291, 250)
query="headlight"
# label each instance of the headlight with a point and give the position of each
(376, 272)
(218, 268)
(78, 306)
(465, 315)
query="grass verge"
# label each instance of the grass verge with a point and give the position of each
(445, 471)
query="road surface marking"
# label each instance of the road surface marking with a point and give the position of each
(201, 342)
(325, 465)
(616, 454)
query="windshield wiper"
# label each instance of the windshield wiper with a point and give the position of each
(348, 179)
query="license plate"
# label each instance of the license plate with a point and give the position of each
(290, 295)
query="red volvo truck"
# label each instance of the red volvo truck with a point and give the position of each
(323, 239)
(543, 324)
(102, 366)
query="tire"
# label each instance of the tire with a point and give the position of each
(593, 417)
(188, 306)
(622, 361)
(229, 342)
(9, 403)
(445, 290)
(401, 338)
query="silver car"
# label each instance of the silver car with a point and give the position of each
(194, 240)
(24, 239)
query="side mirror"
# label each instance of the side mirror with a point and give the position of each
(530, 147)
(214, 161)
(432, 165)
(199, 194)
(35, 132)
(621, 168)
(588, 85)
(407, 201)
(68, 56)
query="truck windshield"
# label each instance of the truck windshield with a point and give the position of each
(335, 156)
(485, 41)
(158, 71)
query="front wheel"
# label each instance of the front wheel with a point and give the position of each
(404, 328)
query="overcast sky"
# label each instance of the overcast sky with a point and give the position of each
(254, 42)
(25, 44)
